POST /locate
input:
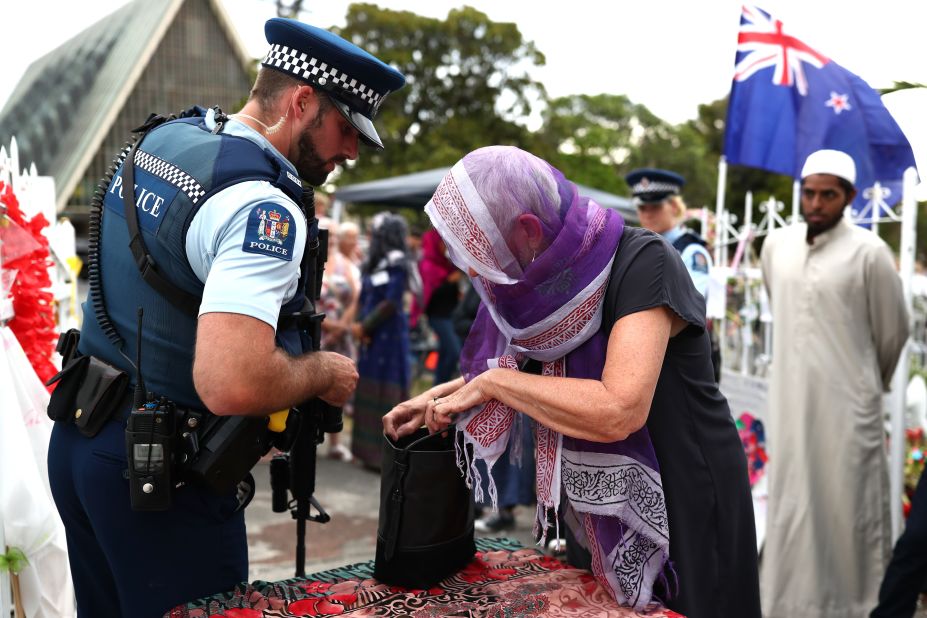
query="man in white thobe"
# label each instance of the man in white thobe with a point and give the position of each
(839, 326)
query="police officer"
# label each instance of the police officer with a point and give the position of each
(217, 206)
(656, 193)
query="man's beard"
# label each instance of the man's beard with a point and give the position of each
(819, 228)
(308, 163)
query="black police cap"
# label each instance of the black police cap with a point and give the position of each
(650, 185)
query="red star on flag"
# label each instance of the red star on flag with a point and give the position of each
(840, 102)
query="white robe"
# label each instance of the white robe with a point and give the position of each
(839, 326)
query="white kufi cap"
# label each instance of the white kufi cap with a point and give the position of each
(833, 162)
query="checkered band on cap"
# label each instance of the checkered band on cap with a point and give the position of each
(645, 186)
(306, 67)
(171, 173)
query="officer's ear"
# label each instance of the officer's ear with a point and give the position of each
(304, 101)
(678, 207)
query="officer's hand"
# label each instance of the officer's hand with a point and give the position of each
(341, 378)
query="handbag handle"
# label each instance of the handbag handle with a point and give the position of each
(401, 461)
(425, 438)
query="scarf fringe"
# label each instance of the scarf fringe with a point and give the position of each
(542, 522)
(671, 588)
(466, 463)
(673, 592)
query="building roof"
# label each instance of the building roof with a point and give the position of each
(68, 99)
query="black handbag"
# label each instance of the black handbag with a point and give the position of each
(425, 531)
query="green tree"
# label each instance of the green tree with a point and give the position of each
(902, 85)
(587, 137)
(682, 149)
(597, 139)
(467, 86)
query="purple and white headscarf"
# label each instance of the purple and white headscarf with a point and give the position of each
(551, 311)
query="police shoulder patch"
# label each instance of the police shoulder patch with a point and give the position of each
(699, 262)
(271, 231)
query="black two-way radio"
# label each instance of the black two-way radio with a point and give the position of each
(150, 437)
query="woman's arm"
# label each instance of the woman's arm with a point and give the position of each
(603, 410)
(351, 310)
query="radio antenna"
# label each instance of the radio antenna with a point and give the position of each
(141, 393)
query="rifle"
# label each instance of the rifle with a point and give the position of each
(294, 471)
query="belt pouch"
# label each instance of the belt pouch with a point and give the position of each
(61, 404)
(99, 395)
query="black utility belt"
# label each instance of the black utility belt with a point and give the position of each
(166, 445)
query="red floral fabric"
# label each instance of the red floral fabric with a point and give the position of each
(33, 303)
(510, 583)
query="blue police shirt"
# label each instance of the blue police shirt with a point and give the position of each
(696, 258)
(246, 243)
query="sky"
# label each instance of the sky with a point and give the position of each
(670, 55)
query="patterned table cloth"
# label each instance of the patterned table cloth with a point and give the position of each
(504, 580)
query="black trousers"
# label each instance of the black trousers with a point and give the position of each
(138, 564)
(907, 571)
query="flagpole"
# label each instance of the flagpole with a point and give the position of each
(796, 201)
(743, 256)
(720, 325)
(876, 212)
(900, 379)
(719, 206)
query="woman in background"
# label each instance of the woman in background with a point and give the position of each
(340, 293)
(383, 330)
(441, 294)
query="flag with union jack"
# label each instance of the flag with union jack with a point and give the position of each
(789, 100)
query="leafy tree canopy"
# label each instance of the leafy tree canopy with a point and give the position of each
(597, 139)
(588, 137)
(467, 85)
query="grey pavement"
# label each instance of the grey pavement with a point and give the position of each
(350, 494)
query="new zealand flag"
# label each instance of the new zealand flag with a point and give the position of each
(788, 100)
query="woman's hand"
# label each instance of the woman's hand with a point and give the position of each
(441, 410)
(336, 329)
(357, 331)
(406, 417)
(409, 415)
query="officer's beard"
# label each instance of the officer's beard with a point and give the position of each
(309, 165)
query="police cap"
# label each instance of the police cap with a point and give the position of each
(651, 185)
(356, 81)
